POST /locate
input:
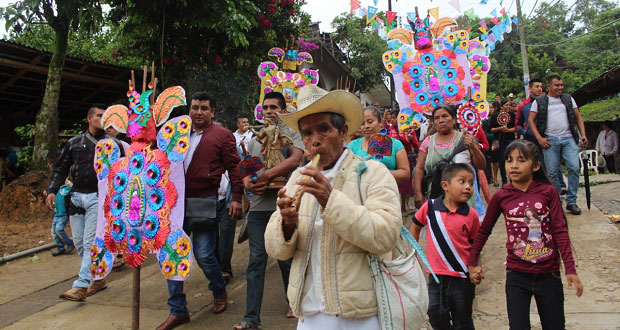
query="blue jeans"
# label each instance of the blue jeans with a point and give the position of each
(563, 147)
(58, 232)
(204, 243)
(548, 293)
(450, 303)
(227, 237)
(84, 227)
(257, 224)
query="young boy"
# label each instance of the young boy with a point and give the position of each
(451, 227)
(60, 221)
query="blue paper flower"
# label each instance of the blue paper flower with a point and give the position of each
(136, 163)
(153, 174)
(156, 199)
(151, 225)
(120, 181)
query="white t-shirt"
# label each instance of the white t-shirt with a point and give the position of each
(245, 137)
(557, 118)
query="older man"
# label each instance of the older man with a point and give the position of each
(339, 221)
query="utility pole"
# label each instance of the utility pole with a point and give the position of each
(392, 102)
(526, 68)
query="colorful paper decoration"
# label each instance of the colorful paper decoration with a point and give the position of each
(434, 12)
(290, 57)
(249, 165)
(141, 194)
(483, 23)
(469, 118)
(371, 14)
(390, 15)
(455, 4)
(494, 12)
(495, 21)
(502, 12)
(288, 83)
(483, 2)
(470, 13)
(380, 144)
(355, 4)
(503, 118)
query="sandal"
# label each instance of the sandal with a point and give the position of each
(243, 325)
(289, 314)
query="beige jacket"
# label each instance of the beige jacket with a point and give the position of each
(350, 231)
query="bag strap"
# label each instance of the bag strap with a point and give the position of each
(418, 249)
(360, 169)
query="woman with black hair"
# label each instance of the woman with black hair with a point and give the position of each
(503, 129)
(446, 145)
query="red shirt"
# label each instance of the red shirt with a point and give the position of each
(413, 144)
(535, 226)
(460, 225)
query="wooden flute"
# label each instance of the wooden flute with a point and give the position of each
(299, 192)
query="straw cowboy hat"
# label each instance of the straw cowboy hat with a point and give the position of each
(312, 99)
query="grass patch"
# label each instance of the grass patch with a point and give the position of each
(600, 110)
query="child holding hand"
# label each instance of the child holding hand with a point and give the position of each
(537, 237)
(451, 226)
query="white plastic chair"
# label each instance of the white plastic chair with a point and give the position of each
(593, 159)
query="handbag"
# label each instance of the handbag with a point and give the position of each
(400, 284)
(201, 214)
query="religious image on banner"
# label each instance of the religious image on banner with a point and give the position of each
(435, 63)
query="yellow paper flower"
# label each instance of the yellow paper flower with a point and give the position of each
(462, 34)
(182, 144)
(396, 54)
(452, 37)
(99, 148)
(184, 125)
(101, 269)
(477, 96)
(402, 118)
(464, 44)
(404, 127)
(183, 246)
(415, 124)
(389, 66)
(183, 268)
(168, 269)
(98, 165)
(168, 130)
(93, 270)
(108, 147)
(482, 107)
(387, 56)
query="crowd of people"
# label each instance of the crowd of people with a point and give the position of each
(355, 203)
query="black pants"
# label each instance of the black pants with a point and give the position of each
(547, 291)
(450, 303)
(611, 163)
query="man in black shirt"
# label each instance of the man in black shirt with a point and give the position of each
(77, 157)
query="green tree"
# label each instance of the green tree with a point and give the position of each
(362, 48)
(62, 16)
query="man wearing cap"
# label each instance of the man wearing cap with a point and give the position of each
(339, 220)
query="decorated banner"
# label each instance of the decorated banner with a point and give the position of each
(434, 12)
(355, 4)
(141, 189)
(274, 79)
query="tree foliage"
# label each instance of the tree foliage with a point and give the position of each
(363, 49)
(561, 39)
(61, 16)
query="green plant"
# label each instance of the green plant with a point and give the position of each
(26, 135)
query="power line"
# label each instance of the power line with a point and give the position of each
(539, 32)
(573, 37)
(532, 11)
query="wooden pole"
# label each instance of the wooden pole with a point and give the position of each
(135, 300)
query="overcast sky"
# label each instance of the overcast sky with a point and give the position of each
(325, 11)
